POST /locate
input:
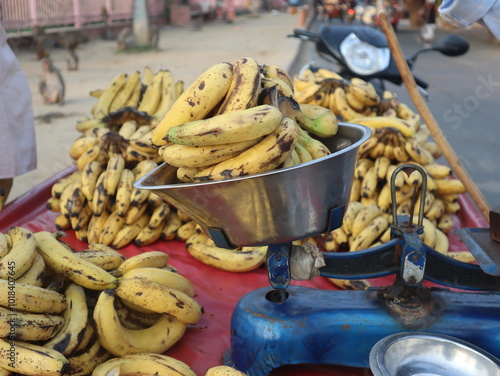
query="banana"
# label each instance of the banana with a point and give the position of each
(88, 156)
(438, 171)
(442, 242)
(161, 299)
(108, 95)
(90, 174)
(446, 223)
(449, 186)
(88, 336)
(240, 260)
(384, 199)
(463, 256)
(283, 89)
(86, 361)
(381, 165)
(75, 321)
(100, 198)
(114, 222)
(67, 263)
(369, 183)
(159, 215)
(400, 154)
(302, 153)
(326, 74)
(129, 231)
(321, 121)
(122, 96)
(95, 227)
(124, 191)
(172, 224)
(366, 146)
(405, 112)
(417, 152)
(202, 156)
(237, 126)
(145, 364)
(21, 255)
(186, 230)
(433, 148)
(4, 245)
(23, 326)
(413, 179)
(107, 260)
(127, 129)
(347, 113)
(364, 217)
(429, 236)
(33, 299)
(61, 222)
(353, 208)
(34, 276)
(274, 71)
(58, 187)
(340, 237)
(167, 95)
(223, 371)
(148, 235)
(381, 122)
(150, 259)
(363, 91)
(315, 147)
(135, 97)
(369, 233)
(112, 175)
(244, 88)
(452, 197)
(399, 180)
(267, 155)
(30, 359)
(81, 145)
(152, 95)
(362, 166)
(86, 125)
(355, 194)
(354, 102)
(120, 341)
(196, 101)
(452, 207)
(164, 277)
(305, 95)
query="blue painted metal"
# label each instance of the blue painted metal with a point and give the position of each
(340, 327)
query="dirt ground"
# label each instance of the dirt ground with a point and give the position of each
(186, 52)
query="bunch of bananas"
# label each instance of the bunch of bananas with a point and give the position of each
(240, 119)
(67, 312)
(144, 98)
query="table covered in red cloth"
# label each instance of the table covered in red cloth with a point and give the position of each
(205, 343)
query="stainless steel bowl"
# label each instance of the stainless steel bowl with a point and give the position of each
(426, 354)
(274, 207)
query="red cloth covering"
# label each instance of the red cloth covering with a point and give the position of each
(205, 343)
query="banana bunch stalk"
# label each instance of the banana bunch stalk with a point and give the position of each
(243, 120)
(69, 312)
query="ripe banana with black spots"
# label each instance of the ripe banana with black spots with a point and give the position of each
(108, 95)
(202, 156)
(196, 101)
(35, 275)
(123, 95)
(449, 186)
(107, 260)
(144, 364)
(112, 174)
(21, 255)
(380, 122)
(124, 191)
(81, 145)
(353, 208)
(149, 259)
(364, 91)
(346, 111)
(62, 260)
(27, 298)
(318, 120)
(369, 233)
(32, 327)
(128, 232)
(223, 371)
(244, 90)
(152, 95)
(315, 147)
(274, 71)
(164, 277)
(238, 126)
(84, 362)
(30, 359)
(240, 260)
(266, 155)
(161, 299)
(364, 217)
(75, 321)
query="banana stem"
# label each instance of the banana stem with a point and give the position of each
(429, 119)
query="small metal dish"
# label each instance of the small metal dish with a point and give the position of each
(273, 207)
(426, 354)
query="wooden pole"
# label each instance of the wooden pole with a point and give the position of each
(429, 119)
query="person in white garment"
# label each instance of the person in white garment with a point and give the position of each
(17, 127)
(468, 12)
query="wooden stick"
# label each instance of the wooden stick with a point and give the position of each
(429, 119)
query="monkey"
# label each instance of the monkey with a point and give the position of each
(125, 39)
(71, 60)
(51, 85)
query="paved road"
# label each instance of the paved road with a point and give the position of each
(465, 100)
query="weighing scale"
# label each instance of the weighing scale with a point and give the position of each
(286, 324)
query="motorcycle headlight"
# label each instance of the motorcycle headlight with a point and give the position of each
(363, 58)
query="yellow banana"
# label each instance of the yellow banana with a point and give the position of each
(159, 215)
(148, 235)
(161, 299)
(21, 255)
(321, 121)
(145, 364)
(399, 180)
(95, 226)
(354, 102)
(90, 174)
(417, 152)
(129, 231)
(75, 321)
(267, 155)
(283, 89)
(223, 371)
(163, 277)
(384, 199)
(172, 224)
(120, 341)
(237, 126)
(124, 191)
(59, 186)
(364, 217)
(315, 147)
(362, 166)
(122, 96)
(109, 94)
(244, 88)
(196, 101)
(369, 234)
(381, 165)
(239, 260)
(31, 359)
(438, 171)
(4, 245)
(100, 198)
(449, 186)
(24, 326)
(86, 361)
(364, 91)
(152, 95)
(81, 145)
(274, 71)
(65, 262)
(113, 172)
(186, 230)
(35, 275)
(380, 122)
(302, 153)
(446, 223)
(353, 208)
(369, 183)
(347, 113)
(32, 299)
(150, 259)
(107, 260)
(202, 156)
(355, 194)
(167, 94)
